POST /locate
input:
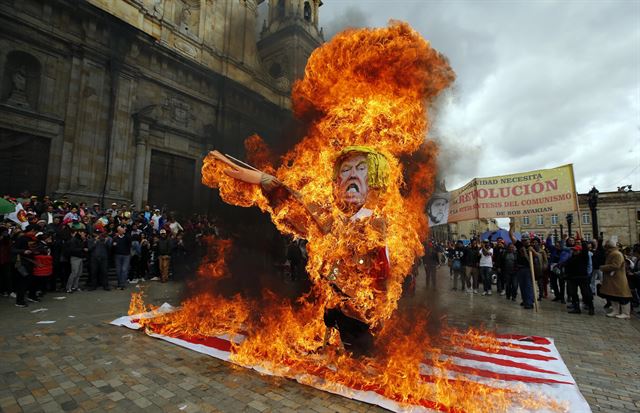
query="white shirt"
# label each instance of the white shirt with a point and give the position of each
(486, 260)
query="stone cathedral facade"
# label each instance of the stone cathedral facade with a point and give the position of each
(120, 100)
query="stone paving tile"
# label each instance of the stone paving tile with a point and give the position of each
(85, 365)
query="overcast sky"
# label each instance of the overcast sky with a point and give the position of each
(539, 83)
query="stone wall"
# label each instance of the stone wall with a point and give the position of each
(106, 95)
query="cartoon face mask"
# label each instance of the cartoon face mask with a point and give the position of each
(352, 180)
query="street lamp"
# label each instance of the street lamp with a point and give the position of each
(569, 222)
(593, 204)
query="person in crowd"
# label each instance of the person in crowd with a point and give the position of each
(174, 226)
(615, 286)
(471, 260)
(71, 216)
(498, 250)
(431, 261)
(157, 220)
(146, 213)
(136, 252)
(457, 269)
(77, 251)
(633, 276)
(486, 265)
(99, 246)
(121, 244)
(540, 264)
(48, 215)
(508, 268)
(577, 277)
(163, 249)
(6, 263)
(523, 248)
(597, 259)
(23, 264)
(43, 263)
(145, 257)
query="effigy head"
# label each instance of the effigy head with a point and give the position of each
(357, 170)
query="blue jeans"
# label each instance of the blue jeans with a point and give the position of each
(526, 286)
(122, 268)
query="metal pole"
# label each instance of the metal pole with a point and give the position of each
(533, 281)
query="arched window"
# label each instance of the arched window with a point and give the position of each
(21, 80)
(307, 11)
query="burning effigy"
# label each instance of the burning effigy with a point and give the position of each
(356, 187)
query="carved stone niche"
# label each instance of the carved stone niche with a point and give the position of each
(187, 16)
(174, 112)
(21, 80)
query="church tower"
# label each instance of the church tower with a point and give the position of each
(289, 34)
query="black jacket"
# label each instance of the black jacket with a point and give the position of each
(76, 246)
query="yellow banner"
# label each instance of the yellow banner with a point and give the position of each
(543, 191)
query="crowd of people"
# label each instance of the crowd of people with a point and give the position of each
(54, 243)
(572, 269)
(48, 245)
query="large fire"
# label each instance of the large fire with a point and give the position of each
(365, 88)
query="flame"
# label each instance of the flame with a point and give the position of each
(369, 87)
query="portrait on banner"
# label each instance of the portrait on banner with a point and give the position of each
(438, 208)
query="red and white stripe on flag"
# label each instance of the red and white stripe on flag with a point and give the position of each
(523, 361)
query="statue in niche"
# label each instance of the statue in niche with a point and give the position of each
(185, 15)
(18, 96)
(157, 9)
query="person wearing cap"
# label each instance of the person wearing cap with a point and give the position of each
(523, 247)
(95, 210)
(157, 220)
(486, 264)
(438, 209)
(163, 249)
(112, 211)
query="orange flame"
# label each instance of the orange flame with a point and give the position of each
(369, 87)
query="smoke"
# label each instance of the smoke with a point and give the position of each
(459, 155)
(353, 17)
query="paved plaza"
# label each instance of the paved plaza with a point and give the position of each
(80, 363)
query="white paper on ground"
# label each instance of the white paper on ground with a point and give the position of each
(567, 394)
(39, 310)
(46, 322)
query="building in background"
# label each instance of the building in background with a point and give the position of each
(120, 101)
(618, 214)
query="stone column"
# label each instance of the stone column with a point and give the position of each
(142, 135)
(71, 124)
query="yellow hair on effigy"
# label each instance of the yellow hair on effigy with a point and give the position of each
(377, 165)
